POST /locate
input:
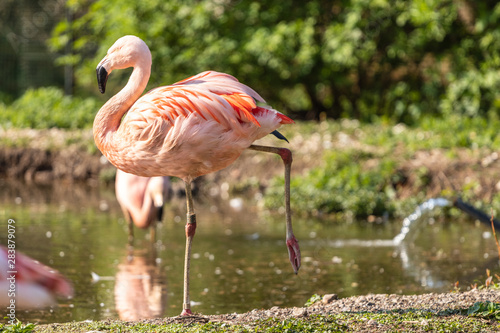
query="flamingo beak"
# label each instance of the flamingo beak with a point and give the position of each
(159, 215)
(102, 78)
(158, 203)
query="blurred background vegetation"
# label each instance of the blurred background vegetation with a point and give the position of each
(433, 65)
(399, 59)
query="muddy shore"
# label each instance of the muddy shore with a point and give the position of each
(42, 156)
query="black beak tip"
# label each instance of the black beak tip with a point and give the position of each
(160, 214)
(102, 78)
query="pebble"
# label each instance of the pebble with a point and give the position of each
(300, 312)
(328, 298)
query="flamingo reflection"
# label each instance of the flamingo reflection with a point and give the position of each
(140, 290)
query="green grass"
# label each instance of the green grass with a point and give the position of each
(313, 299)
(17, 327)
(410, 320)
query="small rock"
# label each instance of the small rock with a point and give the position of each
(372, 322)
(300, 312)
(328, 298)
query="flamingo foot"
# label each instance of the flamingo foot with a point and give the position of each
(186, 312)
(294, 252)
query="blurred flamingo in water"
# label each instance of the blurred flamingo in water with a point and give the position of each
(191, 128)
(141, 199)
(35, 284)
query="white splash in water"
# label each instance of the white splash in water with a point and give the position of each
(396, 241)
(421, 209)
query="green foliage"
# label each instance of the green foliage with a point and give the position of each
(48, 107)
(397, 59)
(313, 299)
(487, 310)
(364, 177)
(291, 325)
(18, 327)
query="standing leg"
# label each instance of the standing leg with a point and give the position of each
(128, 218)
(291, 242)
(152, 232)
(190, 230)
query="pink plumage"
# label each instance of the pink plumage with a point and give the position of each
(36, 285)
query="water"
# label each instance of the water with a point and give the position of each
(240, 260)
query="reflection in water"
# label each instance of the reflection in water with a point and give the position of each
(140, 289)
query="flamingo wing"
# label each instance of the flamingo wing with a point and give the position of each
(200, 113)
(210, 95)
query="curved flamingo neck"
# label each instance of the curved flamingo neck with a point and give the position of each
(143, 216)
(107, 120)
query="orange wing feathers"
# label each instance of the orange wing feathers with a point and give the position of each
(210, 95)
(243, 105)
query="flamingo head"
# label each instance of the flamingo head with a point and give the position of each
(127, 51)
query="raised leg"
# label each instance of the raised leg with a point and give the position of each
(190, 230)
(291, 242)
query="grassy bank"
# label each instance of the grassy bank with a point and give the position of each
(342, 168)
(452, 312)
(416, 321)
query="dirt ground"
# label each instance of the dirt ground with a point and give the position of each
(374, 303)
(439, 305)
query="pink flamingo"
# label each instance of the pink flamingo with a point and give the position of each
(188, 129)
(141, 200)
(31, 284)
